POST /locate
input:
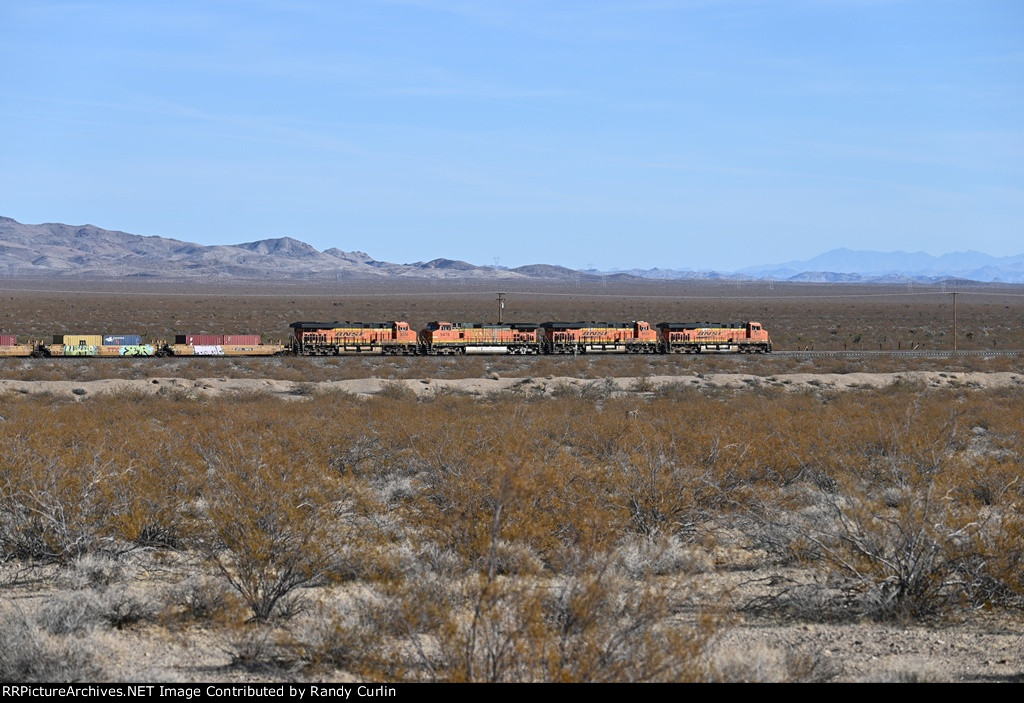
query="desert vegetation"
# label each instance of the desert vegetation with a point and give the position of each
(586, 535)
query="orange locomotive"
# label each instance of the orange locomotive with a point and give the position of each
(334, 338)
(582, 337)
(441, 337)
(696, 337)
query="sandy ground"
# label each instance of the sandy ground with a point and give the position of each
(979, 647)
(546, 386)
(877, 653)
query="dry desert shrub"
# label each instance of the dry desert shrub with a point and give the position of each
(96, 571)
(80, 611)
(29, 655)
(905, 518)
(200, 598)
(584, 629)
(340, 638)
(592, 623)
(896, 563)
(764, 664)
(270, 527)
(254, 649)
(83, 480)
(52, 512)
(643, 557)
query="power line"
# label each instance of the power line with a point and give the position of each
(766, 297)
(449, 293)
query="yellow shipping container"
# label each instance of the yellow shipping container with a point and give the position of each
(81, 340)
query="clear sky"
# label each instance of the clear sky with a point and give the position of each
(613, 133)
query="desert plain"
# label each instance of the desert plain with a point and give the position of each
(488, 518)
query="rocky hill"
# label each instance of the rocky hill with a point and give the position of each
(87, 251)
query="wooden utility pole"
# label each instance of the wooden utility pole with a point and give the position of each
(954, 319)
(501, 305)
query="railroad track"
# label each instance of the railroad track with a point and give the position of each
(933, 353)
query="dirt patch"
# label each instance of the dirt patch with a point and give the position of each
(548, 386)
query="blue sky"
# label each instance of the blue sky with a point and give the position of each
(613, 133)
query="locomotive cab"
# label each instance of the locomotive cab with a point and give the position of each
(756, 332)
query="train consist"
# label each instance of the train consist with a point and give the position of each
(437, 338)
(447, 338)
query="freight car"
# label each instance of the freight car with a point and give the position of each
(696, 337)
(122, 345)
(220, 345)
(9, 346)
(97, 345)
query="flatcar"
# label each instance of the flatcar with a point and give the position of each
(9, 346)
(115, 345)
(220, 345)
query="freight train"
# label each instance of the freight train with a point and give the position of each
(437, 338)
(447, 338)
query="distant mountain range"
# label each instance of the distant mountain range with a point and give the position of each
(972, 265)
(87, 251)
(851, 266)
